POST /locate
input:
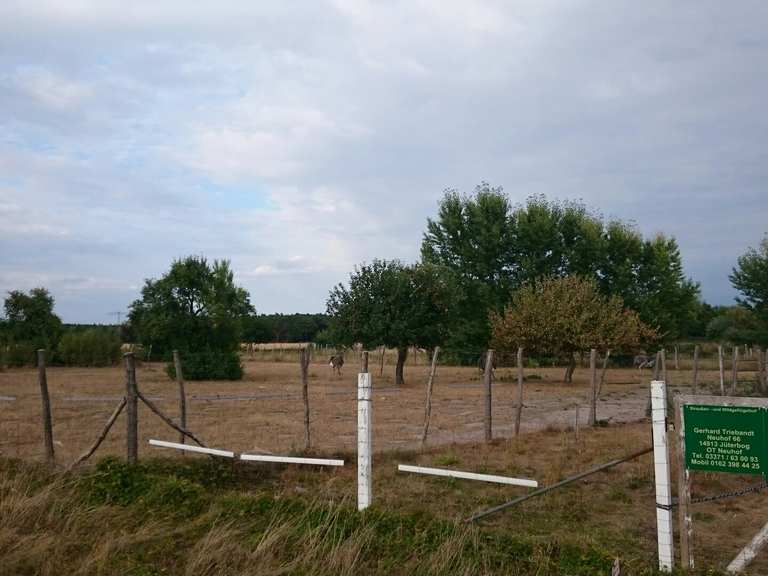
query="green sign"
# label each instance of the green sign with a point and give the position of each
(725, 438)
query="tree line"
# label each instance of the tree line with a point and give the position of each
(554, 277)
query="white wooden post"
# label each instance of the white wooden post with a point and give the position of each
(364, 440)
(661, 468)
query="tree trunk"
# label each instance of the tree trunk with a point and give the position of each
(569, 369)
(402, 356)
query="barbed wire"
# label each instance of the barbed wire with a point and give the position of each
(715, 497)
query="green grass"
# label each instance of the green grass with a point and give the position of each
(199, 517)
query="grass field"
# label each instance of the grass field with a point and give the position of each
(186, 516)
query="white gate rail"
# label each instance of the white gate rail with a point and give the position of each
(469, 475)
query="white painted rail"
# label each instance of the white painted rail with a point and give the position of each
(291, 460)
(188, 448)
(469, 475)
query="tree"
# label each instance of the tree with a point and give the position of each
(390, 304)
(750, 278)
(562, 316)
(195, 308)
(495, 248)
(30, 324)
(738, 325)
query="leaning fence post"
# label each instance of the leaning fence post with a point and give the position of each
(428, 403)
(131, 409)
(662, 475)
(487, 377)
(364, 440)
(304, 356)
(520, 379)
(47, 423)
(182, 395)
(593, 387)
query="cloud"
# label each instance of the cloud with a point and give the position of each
(298, 139)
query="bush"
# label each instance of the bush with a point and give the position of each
(92, 347)
(23, 354)
(209, 364)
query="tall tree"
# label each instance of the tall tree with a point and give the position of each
(562, 316)
(391, 304)
(472, 238)
(512, 246)
(750, 278)
(195, 308)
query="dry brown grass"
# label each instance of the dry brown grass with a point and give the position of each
(264, 411)
(613, 511)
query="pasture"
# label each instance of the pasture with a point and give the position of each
(264, 411)
(607, 515)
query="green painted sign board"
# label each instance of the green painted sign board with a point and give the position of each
(726, 438)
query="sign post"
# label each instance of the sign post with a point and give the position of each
(717, 434)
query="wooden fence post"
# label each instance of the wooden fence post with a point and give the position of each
(734, 370)
(364, 361)
(695, 369)
(760, 369)
(683, 491)
(722, 369)
(677, 360)
(593, 387)
(304, 356)
(364, 441)
(182, 394)
(602, 372)
(381, 367)
(520, 379)
(428, 403)
(131, 410)
(664, 365)
(487, 378)
(47, 423)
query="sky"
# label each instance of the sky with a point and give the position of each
(298, 139)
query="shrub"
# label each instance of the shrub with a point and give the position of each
(208, 364)
(93, 347)
(21, 354)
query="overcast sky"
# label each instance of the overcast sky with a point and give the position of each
(300, 138)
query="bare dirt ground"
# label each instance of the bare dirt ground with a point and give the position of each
(264, 411)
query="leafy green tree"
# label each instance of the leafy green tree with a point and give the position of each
(30, 324)
(738, 325)
(391, 304)
(494, 249)
(562, 316)
(197, 309)
(750, 278)
(472, 238)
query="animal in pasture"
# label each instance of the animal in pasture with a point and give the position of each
(481, 363)
(336, 363)
(645, 361)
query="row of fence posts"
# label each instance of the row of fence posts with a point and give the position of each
(132, 395)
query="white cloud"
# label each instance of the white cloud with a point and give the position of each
(299, 139)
